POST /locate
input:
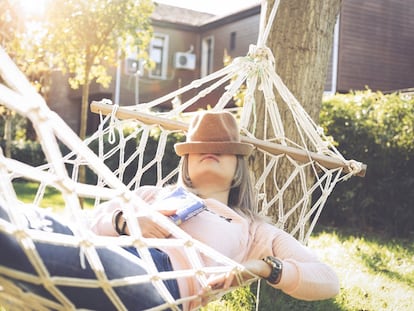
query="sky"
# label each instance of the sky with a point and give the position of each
(216, 7)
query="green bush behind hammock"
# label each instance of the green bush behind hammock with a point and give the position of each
(378, 130)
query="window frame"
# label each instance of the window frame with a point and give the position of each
(163, 48)
(207, 55)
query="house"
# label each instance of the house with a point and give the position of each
(373, 47)
(188, 45)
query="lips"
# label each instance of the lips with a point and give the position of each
(209, 157)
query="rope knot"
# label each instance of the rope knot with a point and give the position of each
(355, 168)
(21, 234)
(260, 54)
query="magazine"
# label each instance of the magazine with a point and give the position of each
(187, 204)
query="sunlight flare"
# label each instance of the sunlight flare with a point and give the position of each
(33, 8)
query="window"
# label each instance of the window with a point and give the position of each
(159, 55)
(232, 40)
(207, 49)
(134, 66)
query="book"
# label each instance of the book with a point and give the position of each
(187, 204)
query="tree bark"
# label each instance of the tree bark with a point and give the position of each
(301, 40)
(84, 119)
(85, 104)
(8, 136)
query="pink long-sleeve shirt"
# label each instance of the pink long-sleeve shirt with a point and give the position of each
(303, 276)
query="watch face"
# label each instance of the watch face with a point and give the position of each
(277, 266)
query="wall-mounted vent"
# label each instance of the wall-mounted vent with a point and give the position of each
(185, 61)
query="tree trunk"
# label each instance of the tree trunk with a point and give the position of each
(301, 41)
(84, 119)
(8, 136)
(84, 109)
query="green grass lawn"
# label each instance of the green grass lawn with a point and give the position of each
(52, 198)
(26, 191)
(376, 273)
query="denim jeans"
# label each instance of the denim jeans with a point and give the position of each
(64, 261)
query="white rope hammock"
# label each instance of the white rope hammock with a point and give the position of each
(315, 153)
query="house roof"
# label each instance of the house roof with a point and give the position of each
(176, 15)
(185, 18)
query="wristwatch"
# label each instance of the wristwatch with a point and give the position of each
(116, 216)
(277, 267)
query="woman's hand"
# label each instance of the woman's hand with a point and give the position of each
(151, 229)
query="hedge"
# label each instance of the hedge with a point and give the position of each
(376, 129)
(169, 161)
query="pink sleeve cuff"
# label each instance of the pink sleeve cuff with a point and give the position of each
(290, 277)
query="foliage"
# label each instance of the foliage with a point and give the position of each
(29, 152)
(18, 124)
(238, 97)
(85, 35)
(22, 37)
(9, 25)
(76, 36)
(169, 161)
(378, 130)
(85, 38)
(14, 142)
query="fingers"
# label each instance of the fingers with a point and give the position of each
(151, 229)
(229, 281)
(222, 281)
(209, 293)
(146, 193)
(168, 212)
(215, 287)
(156, 236)
(160, 233)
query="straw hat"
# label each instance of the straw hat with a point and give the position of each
(213, 132)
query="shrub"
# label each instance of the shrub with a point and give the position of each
(376, 129)
(26, 151)
(18, 124)
(169, 161)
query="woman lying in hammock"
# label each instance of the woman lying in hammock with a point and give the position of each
(213, 166)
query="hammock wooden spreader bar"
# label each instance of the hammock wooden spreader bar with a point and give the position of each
(271, 147)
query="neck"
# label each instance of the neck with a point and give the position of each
(219, 194)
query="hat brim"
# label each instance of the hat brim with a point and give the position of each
(213, 147)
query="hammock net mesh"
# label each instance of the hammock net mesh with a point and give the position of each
(117, 159)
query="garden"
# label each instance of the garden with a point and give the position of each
(365, 231)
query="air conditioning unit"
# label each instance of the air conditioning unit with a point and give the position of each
(185, 61)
